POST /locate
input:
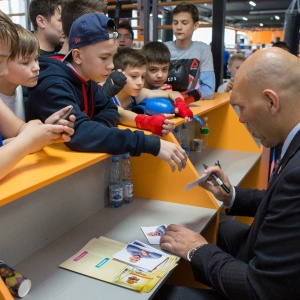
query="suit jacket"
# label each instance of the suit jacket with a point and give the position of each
(268, 263)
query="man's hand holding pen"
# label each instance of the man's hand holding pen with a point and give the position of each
(220, 193)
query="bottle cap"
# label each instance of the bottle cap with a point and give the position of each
(126, 155)
(115, 158)
(204, 130)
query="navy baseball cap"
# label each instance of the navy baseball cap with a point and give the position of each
(90, 29)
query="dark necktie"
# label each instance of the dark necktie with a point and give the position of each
(277, 163)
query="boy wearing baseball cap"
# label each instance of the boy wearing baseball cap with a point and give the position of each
(92, 43)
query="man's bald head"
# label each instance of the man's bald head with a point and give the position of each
(267, 83)
(272, 68)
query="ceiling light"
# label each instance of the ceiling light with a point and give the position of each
(277, 17)
(261, 24)
(252, 3)
(267, 12)
(245, 19)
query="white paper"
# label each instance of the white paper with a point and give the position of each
(154, 233)
(203, 178)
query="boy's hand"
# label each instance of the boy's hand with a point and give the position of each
(68, 124)
(37, 135)
(166, 87)
(229, 86)
(168, 125)
(114, 83)
(191, 96)
(182, 109)
(157, 124)
(172, 154)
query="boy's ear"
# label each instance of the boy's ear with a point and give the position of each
(76, 54)
(196, 25)
(40, 20)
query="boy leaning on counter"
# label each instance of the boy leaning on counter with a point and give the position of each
(20, 138)
(92, 43)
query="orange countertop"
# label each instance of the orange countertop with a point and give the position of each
(204, 106)
(42, 168)
(57, 161)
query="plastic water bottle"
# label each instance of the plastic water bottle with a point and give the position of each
(115, 184)
(177, 135)
(204, 133)
(127, 179)
(185, 144)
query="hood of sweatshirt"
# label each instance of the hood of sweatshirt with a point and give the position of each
(51, 68)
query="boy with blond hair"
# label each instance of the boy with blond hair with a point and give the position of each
(24, 138)
(23, 70)
(234, 63)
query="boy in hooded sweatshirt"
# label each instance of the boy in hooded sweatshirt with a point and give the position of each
(92, 44)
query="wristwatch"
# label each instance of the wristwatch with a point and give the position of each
(192, 251)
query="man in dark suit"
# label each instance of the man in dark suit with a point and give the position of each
(261, 261)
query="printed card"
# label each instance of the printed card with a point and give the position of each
(141, 255)
(154, 233)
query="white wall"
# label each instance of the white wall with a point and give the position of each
(205, 35)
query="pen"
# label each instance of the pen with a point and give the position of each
(218, 180)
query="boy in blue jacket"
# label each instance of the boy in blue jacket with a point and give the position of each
(92, 44)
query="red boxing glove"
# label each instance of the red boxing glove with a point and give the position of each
(191, 96)
(183, 109)
(151, 123)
